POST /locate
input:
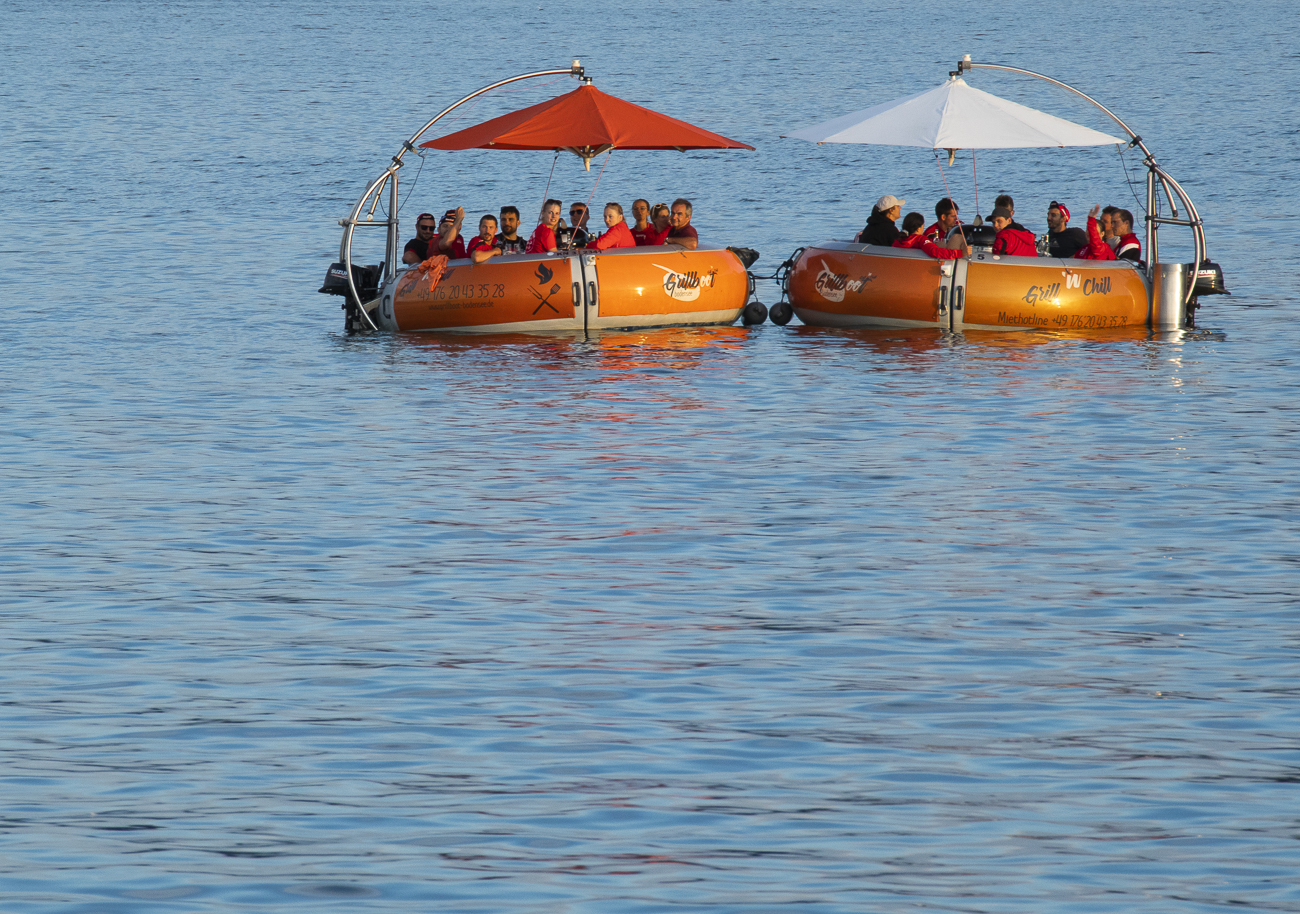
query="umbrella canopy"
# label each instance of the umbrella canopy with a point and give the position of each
(585, 122)
(954, 116)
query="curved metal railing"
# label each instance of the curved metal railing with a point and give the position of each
(1154, 172)
(389, 177)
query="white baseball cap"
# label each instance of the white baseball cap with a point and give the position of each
(888, 201)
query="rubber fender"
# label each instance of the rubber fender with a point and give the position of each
(754, 314)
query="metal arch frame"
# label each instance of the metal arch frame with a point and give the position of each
(390, 175)
(1154, 172)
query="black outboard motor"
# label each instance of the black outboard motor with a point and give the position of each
(1209, 279)
(366, 279)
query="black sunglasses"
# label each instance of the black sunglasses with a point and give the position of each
(427, 228)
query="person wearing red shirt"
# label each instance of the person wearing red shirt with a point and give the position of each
(914, 236)
(483, 246)
(1129, 247)
(448, 241)
(543, 238)
(1011, 241)
(659, 226)
(1097, 248)
(618, 236)
(946, 212)
(641, 213)
(682, 232)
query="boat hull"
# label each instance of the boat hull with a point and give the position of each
(664, 286)
(841, 284)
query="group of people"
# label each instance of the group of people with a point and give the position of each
(1109, 236)
(652, 225)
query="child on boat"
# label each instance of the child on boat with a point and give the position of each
(618, 236)
(1011, 241)
(914, 237)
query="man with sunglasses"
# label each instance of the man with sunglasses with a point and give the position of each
(446, 241)
(578, 235)
(417, 249)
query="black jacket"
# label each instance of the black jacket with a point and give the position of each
(880, 230)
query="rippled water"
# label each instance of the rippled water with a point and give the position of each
(730, 620)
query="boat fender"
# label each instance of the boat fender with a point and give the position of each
(754, 314)
(747, 255)
(780, 313)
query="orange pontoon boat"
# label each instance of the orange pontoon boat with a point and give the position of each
(845, 284)
(657, 286)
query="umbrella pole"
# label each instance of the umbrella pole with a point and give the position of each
(951, 155)
(546, 193)
(598, 176)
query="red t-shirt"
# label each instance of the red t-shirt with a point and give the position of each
(686, 231)
(639, 234)
(543, 240)
(618, 236)
(477, 243)
(651, 236)
(456, 252)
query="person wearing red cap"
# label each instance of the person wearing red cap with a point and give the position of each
(1063, 241)
(1011, 241)
(618, 236)
(914, 237)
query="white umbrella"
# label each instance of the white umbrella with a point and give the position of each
(954, 116)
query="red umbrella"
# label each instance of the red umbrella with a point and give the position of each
(585, 122)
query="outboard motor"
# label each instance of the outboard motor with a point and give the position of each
(367, 282)
(1209, 279)
(366, 279)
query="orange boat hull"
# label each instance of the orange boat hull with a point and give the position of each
(663, 286)
(841, 284)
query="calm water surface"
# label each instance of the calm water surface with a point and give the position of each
(718, 620)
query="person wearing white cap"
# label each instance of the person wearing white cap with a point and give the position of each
(880, 228)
